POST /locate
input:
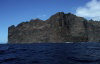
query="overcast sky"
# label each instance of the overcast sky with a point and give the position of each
(13, 12)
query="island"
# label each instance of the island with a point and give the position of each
(59, 28)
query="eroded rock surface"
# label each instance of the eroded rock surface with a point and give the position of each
(60, 27)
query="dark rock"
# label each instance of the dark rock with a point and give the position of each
(60, 27)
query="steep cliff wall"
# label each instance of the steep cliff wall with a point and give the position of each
(60, 27)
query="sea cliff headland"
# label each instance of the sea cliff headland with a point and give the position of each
(60, 27)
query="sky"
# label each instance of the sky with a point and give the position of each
(13, 12)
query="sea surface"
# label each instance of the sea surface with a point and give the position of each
(47, 53)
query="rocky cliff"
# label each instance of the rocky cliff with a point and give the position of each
(58, 28)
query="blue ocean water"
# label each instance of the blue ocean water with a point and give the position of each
(47, 53)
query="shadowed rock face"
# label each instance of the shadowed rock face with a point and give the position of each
(60, 27)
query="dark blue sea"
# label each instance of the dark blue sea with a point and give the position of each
(47, 53)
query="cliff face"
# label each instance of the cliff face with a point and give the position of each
(60, 27)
